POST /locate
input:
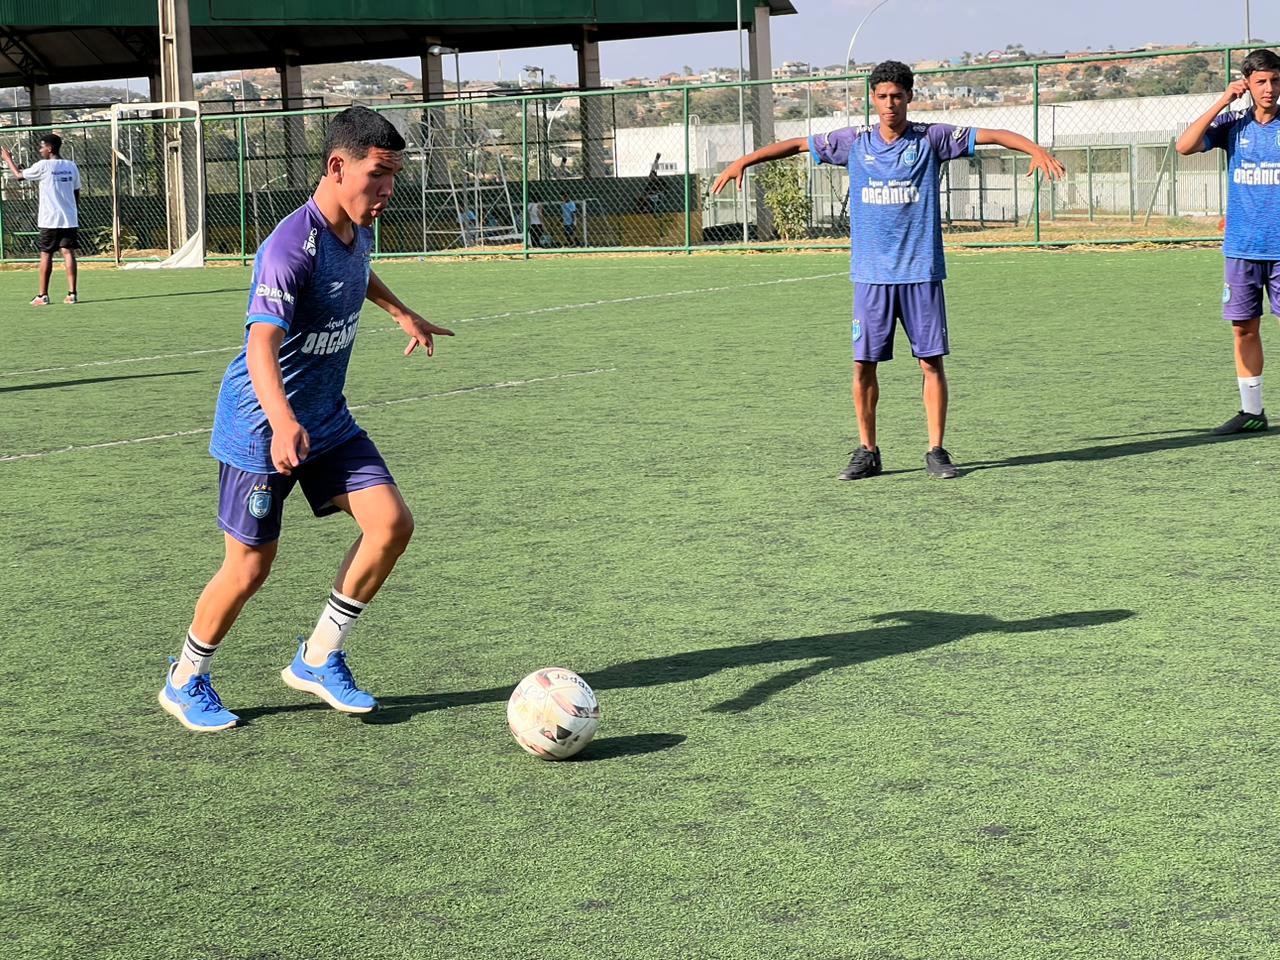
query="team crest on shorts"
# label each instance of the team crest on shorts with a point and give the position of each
(260, 502)
(1226, 293)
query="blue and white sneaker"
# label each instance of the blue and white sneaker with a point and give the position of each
(332, 683)
(195, 704)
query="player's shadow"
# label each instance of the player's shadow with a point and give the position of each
(169, 296)
(1158, 442)
(906, 631)
(81, 383)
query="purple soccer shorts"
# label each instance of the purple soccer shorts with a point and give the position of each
(1242, 291)
(877, 308)
(251, 505)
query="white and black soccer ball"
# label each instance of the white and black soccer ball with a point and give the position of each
(553, 713)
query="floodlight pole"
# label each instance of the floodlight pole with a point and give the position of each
(1248, 33)
(849, 54)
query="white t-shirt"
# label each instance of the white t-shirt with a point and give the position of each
(535, 213)
(59, 180)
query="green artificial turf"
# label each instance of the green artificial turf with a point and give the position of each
(1030, 713)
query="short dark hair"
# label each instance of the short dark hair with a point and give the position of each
(357, 130)
(1260, 60)
(54, 141)
(893, 71)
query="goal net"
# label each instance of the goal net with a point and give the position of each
(157, 184)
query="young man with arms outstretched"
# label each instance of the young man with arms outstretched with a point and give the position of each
(1251, 139)
(896, 243)
(282, 420)
(59, 214)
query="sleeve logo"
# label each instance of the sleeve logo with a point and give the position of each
(309, 245)
(273, 293)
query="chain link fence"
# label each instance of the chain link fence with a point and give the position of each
(632, 169)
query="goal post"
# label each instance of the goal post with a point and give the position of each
(174, 181)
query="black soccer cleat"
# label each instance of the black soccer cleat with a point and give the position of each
(937, 463)
(1243, 423)
(864, 463)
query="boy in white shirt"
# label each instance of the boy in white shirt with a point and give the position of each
(58, 218)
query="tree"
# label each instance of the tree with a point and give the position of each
(1115, 74)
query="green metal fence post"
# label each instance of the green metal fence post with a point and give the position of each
(240, 152)
(1088, 168)
(688, 198)
(1035, 135)
(1133, 210)
(524, 177)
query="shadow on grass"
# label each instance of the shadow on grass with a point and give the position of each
(80, 383)
(1171, 440)
(244, 288)
(631, 746)
(906, 631)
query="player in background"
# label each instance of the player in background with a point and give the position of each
(282, 420)
(58, 217)
(895, 232)
(1251, 138)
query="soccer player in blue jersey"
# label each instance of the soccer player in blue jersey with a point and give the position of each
(895, 233)
(282, 420)
(1251, 139)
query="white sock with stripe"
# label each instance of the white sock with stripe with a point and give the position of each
(196, 658)
(331, 630)
(1250, 394)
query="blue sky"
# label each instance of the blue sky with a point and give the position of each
(913, 30)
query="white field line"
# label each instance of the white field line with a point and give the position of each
(503, 385)
(508, 315)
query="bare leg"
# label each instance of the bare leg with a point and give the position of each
(934, 390)
(46, 271)
(386, 525)
(243, 572)
(866, 394)
(69, 261)
(1248, 347)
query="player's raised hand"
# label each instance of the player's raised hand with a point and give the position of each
(422, 333)
(289, 446)
(733, 171)
(1237, 90)
(1046, 163)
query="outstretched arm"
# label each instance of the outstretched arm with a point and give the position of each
(421, 333)
(775, 151)
(8, 158)
(1192, 139)
(1041, 159)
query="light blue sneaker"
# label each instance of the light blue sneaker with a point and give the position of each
(195, 704)
(332, 683)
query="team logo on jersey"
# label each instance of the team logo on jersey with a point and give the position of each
(336, 287)
(912, 153)
(260, 502)
(1244, 141)
(1278, 138)
(309, 245)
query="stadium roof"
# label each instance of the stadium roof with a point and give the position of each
(70, 41)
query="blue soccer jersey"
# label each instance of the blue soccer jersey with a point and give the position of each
(1253, 184)
(312, 285)
(895, 230)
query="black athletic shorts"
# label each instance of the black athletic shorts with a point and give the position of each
(57, 238)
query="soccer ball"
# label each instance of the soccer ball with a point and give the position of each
(553, 713)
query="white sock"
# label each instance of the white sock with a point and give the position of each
(1250, 394)
(196, 658)
(331, 629)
